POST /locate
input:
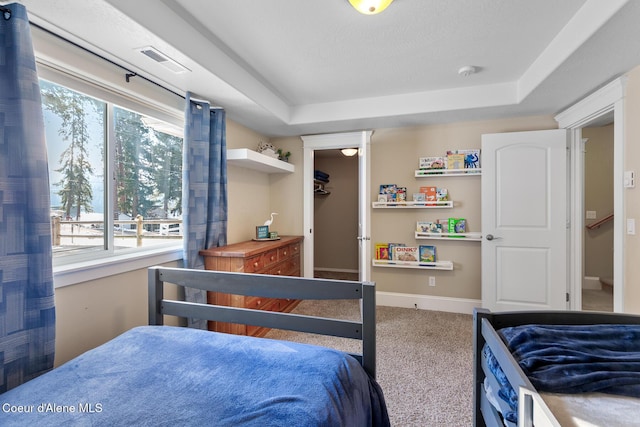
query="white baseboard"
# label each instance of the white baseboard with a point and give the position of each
(336, 270)
(590, 282)
(426, 302)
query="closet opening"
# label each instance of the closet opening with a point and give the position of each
(336, 215)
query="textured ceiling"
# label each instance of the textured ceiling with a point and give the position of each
(292, 67)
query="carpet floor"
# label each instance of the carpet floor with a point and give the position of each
(424, 360)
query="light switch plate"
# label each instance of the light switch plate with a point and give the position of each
(631, 226)
(591, 215)
(629, 179)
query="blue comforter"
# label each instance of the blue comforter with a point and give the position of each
(162, 375)
(578, 359)
(571, 359)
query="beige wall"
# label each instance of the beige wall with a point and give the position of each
(394, 159)
(598, 197)
(89, 314)
(632, 196)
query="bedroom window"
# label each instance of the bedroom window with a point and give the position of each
(115, 176)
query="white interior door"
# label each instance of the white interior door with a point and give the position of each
(524, 220)
(364, 195)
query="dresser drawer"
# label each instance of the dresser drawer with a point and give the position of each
(270, 258)
(258, 303)
(288, 251)
(253, 264)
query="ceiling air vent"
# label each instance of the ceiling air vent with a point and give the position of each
(163, 59)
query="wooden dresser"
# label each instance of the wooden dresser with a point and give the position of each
(276, 257)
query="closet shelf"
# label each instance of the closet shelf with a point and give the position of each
(438, 265)
(245, 158)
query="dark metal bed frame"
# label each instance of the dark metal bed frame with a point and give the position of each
(485, 325)
(270, 287)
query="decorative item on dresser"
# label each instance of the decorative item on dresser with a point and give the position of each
(278, 257)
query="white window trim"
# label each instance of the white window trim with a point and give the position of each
(68, 65)
(79, 272)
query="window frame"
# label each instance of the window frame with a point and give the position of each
(106, 82)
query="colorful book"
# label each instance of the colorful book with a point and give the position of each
(382, 251)
(471, 157)
(455, 161)
(428, 227)
(457, 225)
(392, 247)
(427, 253)
(433, 162)
(430, 194)
(405, 253)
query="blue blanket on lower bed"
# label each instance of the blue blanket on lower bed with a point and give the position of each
(578, 359)
(571, 359)
(169, 376)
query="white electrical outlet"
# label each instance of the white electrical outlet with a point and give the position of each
(432, 281)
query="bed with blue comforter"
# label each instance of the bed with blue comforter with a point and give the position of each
(554, 354)
(160, 375)
(172, 376)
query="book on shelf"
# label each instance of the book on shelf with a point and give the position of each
(430, 194)
(405, 253)
(431, 163)
(392, 193)
(428, 227)
(382, 251)
(442, 194)
(471, 157)
(427, 253)
(388, 188)
(455, 161)
(457, 225)
(392, 247)
(419, 197)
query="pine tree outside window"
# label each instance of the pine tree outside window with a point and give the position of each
(115, 176)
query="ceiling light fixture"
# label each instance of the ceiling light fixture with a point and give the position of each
(370, 7)
(467, 70)
(349, 151)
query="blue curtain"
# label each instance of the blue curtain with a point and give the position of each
(27, 313)
(204, 191)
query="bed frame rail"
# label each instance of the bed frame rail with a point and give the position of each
(271, 287)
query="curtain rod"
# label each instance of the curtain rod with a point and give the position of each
(128, 73)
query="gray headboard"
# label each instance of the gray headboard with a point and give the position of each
(272, 287)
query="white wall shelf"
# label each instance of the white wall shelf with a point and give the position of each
(413, 205)
(440, 173)
(245, 158)
(465, 237)
(438, 265)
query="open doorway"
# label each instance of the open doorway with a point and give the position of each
(336, 215)
(598, 283)
(313, 145)
(606, 105)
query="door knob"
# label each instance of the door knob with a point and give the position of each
(491, 237)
